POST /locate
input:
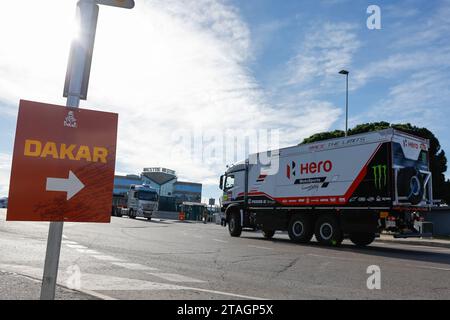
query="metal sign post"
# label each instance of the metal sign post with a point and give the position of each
(75, 89)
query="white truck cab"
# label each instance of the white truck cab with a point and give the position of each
(142, 201)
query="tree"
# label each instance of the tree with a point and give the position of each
(324, 136)
(438, 160)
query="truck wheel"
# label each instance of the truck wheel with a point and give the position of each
(328, 230)
(301, 228)
(131, 214)
(362, 239)
(149, 218)
(268, 234)
(234, 225)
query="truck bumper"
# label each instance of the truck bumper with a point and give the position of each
(147, 214)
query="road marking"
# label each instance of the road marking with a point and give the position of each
(133, 266)
(173, 277)
(100, 282)
(106, 258)
(88, 251)
(69, 242)
(222, 241)
(434, 268)
(258, 247)
(76, 246)
(224, 293)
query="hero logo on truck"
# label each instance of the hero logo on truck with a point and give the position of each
(309, 168)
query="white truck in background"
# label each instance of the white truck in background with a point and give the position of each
(355, 187)
(141, 201)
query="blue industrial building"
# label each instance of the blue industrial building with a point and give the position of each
(165, 181)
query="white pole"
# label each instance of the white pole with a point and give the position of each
(87, 11)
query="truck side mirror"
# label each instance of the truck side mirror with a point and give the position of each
(221, 183)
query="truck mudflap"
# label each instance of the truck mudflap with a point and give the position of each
(423, 229)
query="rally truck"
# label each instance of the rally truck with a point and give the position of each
(142, 201)
(351, 187)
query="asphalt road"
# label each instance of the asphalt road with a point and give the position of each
(138, 259)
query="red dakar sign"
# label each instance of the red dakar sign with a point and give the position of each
(63, 164)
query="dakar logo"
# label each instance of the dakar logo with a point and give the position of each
(70, 120)
(380, 175)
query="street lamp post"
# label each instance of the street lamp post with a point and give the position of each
(345, 72)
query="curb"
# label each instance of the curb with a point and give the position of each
(415, 243)
(86, 292)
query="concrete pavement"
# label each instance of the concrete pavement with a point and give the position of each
(14, 286)
(138, 259)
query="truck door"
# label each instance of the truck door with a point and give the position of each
(234, 185)
(132, 201)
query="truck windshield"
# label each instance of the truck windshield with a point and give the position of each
(147, 196)
(229, 182)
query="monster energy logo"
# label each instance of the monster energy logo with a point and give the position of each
(380, 175)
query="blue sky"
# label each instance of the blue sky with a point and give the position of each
(173, 68)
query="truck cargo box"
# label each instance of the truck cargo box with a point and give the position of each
(381, 169)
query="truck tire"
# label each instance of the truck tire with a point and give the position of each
(301, 228)
(234, 225)
(149, 218)
(328, 230)
(362, 239)
(268, 234)
(131, 214)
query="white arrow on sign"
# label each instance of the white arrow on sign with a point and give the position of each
(127, 4)
(71, 185)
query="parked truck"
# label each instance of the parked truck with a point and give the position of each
(355, 187)
(141, 201)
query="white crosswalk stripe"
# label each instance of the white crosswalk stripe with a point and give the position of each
(106, 258)
(133, 266)
(76, 246)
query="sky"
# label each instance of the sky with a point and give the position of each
(190, 78)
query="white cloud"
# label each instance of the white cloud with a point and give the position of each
(163, 66)
(402, 63)
(418, 44)
(422, 99)
(326, 49)
(417, 71)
